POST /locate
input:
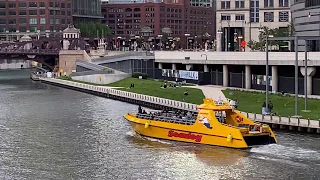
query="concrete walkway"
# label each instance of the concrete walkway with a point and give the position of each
(211, 91)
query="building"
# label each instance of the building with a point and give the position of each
(181, 19)
(239, 20)
(305, 15)
(86, 11)
(37, 16)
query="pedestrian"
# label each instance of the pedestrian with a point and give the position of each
(185, 94)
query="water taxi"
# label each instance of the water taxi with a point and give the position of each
(215, 123)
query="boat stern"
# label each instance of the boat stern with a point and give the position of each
(259, 135)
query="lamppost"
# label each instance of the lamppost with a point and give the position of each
(267, 71)
(187, 39)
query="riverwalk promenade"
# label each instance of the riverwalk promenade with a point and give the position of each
(289, 123)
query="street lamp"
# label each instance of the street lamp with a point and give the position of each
(187, 39)
(267, 71)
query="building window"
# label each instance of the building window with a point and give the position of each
(33, 21)
(51, 21)
(3, 21)
(42, 4)
(51, 4)
(32, 4)
(254, 11)
(240, 17)
(22, 13)
(57, 21)
(22, 5)
(42, 11)
(239, 3)
(225, 4)
(23, 29)
(12, 13)
(42, 20)
(2, 13)
(12, 5)
(12, 21)
(32, 12)
(311, 3)
(283, 16)
(22, 21)
(2, 5)
(268, 16)
(63, 13)
(225, 17)
(268, 3)
(283, 3)
(33, 29)
(63, 5)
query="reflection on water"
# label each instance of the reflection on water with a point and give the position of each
(53, 133)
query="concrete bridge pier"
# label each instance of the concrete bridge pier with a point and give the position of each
(274, 81)
(248, 76)
(205, 68)
(174, 66)
(226, 76)
(310, 72)
(188, 67)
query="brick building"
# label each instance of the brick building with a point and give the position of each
(17, 17)
(184, 18)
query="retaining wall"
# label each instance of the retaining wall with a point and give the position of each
(289, 123)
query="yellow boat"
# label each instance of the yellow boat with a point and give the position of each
(216, 123)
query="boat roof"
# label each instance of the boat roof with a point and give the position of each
(210, 104)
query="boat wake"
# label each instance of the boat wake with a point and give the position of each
(285, 154)
(157, 140)
(131, 133)
(134, 134)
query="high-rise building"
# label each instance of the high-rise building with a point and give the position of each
(184, 19)
(305, 16)
(86, 11)
(243, 19)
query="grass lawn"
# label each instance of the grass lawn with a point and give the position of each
(152, 88)
(282, 105)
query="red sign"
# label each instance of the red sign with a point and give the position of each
(195, 137)
(239, 119)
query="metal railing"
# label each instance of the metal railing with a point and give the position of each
(30, 51)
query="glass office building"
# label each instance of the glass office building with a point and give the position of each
(86, 11)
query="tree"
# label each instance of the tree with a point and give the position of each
(276, 32)
(92, 29)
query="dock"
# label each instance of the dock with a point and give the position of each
(277, 122)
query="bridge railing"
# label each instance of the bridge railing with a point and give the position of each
(30, 51)
(290, 121)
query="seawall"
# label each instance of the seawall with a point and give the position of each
(287, 123)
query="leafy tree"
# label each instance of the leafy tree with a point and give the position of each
(92, 29)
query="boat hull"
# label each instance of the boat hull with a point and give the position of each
(174, 134)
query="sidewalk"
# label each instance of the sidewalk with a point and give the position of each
(211, 91)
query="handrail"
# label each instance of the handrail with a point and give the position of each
(187, 106)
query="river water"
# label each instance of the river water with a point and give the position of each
(49, 132)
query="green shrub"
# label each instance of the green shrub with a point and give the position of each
(65, 78)
(137, 74)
